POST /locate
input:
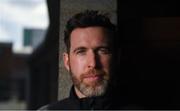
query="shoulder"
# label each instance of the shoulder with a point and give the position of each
(64, 104)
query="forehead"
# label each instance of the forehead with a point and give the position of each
(89, 34)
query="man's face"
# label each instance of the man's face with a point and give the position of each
(89, 60)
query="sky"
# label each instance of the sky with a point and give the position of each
(15, 15)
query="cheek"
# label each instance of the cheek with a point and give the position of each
(77, 66)
(106, 63)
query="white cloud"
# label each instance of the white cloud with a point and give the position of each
(4, 35)
(35, 16)
(15, 15)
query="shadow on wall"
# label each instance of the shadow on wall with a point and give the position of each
(150, 42)
(44, 63)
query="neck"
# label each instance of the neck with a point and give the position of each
(79, 94)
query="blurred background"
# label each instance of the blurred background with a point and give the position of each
(26, 59)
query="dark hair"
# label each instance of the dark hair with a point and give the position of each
(87, 19)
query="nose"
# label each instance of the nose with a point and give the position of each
(92, 59)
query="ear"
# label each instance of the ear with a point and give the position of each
(66, 60)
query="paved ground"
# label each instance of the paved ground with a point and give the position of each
(13, 104)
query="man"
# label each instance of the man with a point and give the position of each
(89, 38)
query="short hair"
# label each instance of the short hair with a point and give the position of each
(85, 19)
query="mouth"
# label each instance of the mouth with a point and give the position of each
(92, 78)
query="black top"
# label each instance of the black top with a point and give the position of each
(108, 101)
(73, 102)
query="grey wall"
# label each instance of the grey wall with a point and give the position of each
(67, 9)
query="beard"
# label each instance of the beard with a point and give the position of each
(91, 88)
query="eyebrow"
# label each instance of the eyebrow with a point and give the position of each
(84, 48)
(79, 48)
(107, 47)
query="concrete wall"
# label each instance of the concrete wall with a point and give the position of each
(67, 9)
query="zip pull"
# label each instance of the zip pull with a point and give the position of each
(92, 104)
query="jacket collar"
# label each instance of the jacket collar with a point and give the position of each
(100, 102)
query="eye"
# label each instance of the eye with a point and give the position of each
(104, 50)
(81, 51)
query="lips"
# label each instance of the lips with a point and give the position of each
(87, 76)
(92, 77)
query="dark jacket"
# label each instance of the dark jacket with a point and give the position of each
(105, 102)
(74, 103)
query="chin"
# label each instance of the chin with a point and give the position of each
(93, 90)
